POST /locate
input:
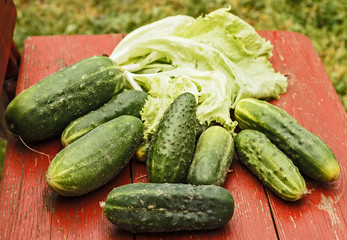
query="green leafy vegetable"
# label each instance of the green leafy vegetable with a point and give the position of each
(219, 58)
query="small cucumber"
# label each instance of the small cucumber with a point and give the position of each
(141, 152)
(168, 207)
(172, 146)
(129, 102)
(212, 159)
(46, 108)
(275, 170)
(96, 158)
(309, 153)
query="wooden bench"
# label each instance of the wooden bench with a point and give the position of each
(30, 210)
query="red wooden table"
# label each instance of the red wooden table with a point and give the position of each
(30, 210)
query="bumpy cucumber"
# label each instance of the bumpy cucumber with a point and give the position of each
(46, 108)
(200, 128)
(172, 147)
(212, 158)
(141, 152)
(129, 102)
(309, 153)
(270, 165)
(96, 158)
(167, 207)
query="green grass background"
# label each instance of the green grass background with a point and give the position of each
(323, 21)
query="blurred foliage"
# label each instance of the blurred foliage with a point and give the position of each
(323, 21)
(3, 144)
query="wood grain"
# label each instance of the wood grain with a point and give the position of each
(30, 210)
(312, 100)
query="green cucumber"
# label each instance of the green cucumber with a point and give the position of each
(168, 207)
(200, 128)
(141, 152)
(46, 108)
(309, 153)
(275, 170)
(129, 102)
(212, 159)
(96, 158)
(172, 146)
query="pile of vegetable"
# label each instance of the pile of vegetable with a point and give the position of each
(219, 58)
(167, 93)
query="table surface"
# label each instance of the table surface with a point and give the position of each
(30, 210)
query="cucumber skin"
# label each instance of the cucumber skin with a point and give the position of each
(212, 159)
(46, 108)
(141, 152)
(200, 128)
(129, 102)
(96, 158)
(309, 153)
(172, 146)
(168, 207)
(275, 170)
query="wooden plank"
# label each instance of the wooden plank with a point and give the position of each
(29, 209)
(8, 17)
(25, 208)
(251, 209)
(321, 214)
(312, 100)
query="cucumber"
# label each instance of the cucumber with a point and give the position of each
(200, 128)
(141, 152)
(275, 170)
(168, 207)
(129, 102)
(212, 159)
(309, 153)
(46, 108)
(96, 158)
(172, 146)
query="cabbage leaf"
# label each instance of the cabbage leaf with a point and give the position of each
(218, 57)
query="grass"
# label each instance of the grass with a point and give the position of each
(3, 144)
(323, 21)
